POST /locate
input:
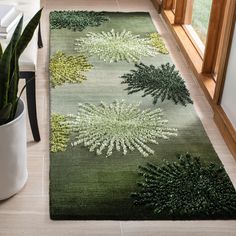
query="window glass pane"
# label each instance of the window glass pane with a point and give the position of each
(201, 15)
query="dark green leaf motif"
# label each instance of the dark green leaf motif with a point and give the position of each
(186, 189)
(161, 83)
(76, 20)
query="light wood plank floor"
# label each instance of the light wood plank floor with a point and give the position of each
(27, 213)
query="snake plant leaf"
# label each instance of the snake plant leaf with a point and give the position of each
(5, 113)
(13, 90)
(15, 37)
(5, 74)
(17, 33)
(1, 50)
(28, 33)
(9, 66)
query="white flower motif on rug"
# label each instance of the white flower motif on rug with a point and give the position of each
(118, 126)
(115, 46)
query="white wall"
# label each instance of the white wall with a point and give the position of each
(228, 102)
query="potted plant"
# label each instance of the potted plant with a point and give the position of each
(13, 151)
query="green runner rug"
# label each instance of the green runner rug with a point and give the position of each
(126, 142)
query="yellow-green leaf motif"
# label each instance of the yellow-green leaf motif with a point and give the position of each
(67, 68)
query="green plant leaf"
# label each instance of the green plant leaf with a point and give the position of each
(14, 87)
(15, 37)
(5, 113)
(1, 50)
(28, 33)
(24, 87)
(17, 33)
(9, 65)
(5, 74)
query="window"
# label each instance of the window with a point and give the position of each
(198, 27)
(200, 18)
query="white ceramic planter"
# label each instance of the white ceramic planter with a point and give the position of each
(13, 154)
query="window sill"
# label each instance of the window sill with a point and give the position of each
(198, 44)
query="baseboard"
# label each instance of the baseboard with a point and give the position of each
(227, 130)
(157, 5)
